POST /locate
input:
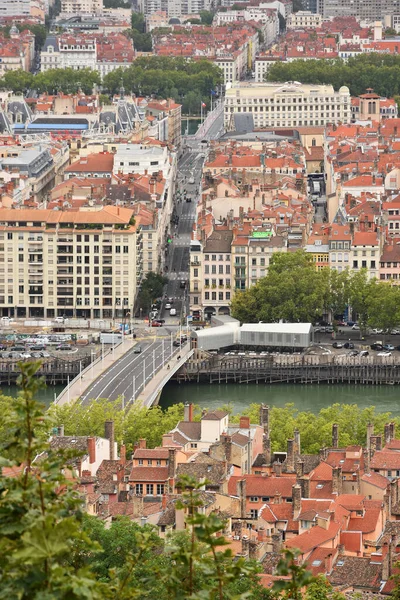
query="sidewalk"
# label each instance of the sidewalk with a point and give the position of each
(79, 385)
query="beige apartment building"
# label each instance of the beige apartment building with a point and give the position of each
(84, 263)
(87, 7)
(304, 19)
(289, 104)
(224, 265)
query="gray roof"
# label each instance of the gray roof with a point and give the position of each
(51, 40)
(244, 123)
(278, 327)
(219, 241)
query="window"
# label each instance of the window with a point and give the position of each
(140, 461)
(160, 489)
(253, 513)
(253, 498)
(193, 445)
(149, 461)
(149, 489)
(139, 489)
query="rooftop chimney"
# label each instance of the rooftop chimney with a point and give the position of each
(297, 446)
(60, 431)
(142, 443)
(290, 456)
(370, 432)
(277, 542)
(188, 412)
(337, 481)
(91, 444)
(245, 545)
(122, 454)
(387, 433)
(171, 462)
(305, 487)
(267, 448)
(226, 441)
(264, 418)
(335, 435)
(109, 435)
(244, 423)
(278, 468)
(366, 461)
(393, 430)
(296, 499)
(299, 468)
(241, 493)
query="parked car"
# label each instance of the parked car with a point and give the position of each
(64, 348)
(356, 327)
(156, 324)
(337, 345)
(6, 320)
(44, 355)
(172, 312)
(376, 331)
(350, 323)
(25, 355)
(384, 353)
(353, 353)
(167, 306)
(137, 350)
(60, 320)
(348, 345)
(191, 180)
(376, 346)
(329, 329)
(364, 353)
(388, 347)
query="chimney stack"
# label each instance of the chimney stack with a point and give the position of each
(245, 545)
(387, 504)
(376, 444)
(188, 412)
(171, 462)
(164, 501)
(297, 446)
(137, 509)
(296, 499)
(60, 431)
(290, 456)
(241, 493)
(335, 435)
(122, 454)
(394, 492)
(244, 423)
(370, 433)
(226, 441)
(366, 462)
(277, 542)
(277, 498)
(262, 534)
(109, 435)
(299, 468)
(264, 418)
(337, 481)
(142, 443)
(267, 448)
(277, 468)
(393, 430)
(91, 444)
(305, 487)
(387, 433)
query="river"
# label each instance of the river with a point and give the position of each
(304, 397)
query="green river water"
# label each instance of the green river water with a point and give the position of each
(304, 397)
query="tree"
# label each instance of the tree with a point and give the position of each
(293, 291)
(321, 589)
(299, 578)
(384, 306)
(151, 288)
(130, 425)
(138, 21)
(18, 81)
(359, 291)
(38, 525)
(206, 17)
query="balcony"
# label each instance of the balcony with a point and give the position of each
(107, 281)
(65, 271)
(65, 260)
(65, 240)
(32, 262)
(35, 281)
(38, 291)
(38, 240)
(35, 251)
(65, 301)
(64, 293)
(195, 263)
(65, 250)
(107, 291)
(65, 282)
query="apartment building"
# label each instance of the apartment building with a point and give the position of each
(339, 247)
(304, 19)
(83, 263)
(365, 252)
(78, 7)
(15, 8)
(287, 105)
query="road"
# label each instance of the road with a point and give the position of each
(126, 377)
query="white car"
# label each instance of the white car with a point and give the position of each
(384, 353)
(191, 180)
(172, 312)
(6, 319)
(376, 331)
(168, 306)
(25, 355)
(60, 320)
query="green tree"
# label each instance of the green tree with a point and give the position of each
(384, 306)
(39, 526)
(206, 17)
(18, 81)
(298, 576)
(321, 589)
(359, 294)
(138, 21)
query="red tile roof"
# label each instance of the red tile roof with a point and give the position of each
(257, 485)
(385, 460)
(314, 537)
(376, 479)
(149, 474)
(152, 453)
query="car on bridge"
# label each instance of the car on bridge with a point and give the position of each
(137, 350)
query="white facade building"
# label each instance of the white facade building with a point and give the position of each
(79, 7)
(304, 20)
(15, 8)
(288, 104)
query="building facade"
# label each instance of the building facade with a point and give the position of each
(287, 105)
(304, 19)
(84, 263)
(87, 7)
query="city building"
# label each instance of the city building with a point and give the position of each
(303, 20)
(81, 263)
(287, 104)
(79, 7)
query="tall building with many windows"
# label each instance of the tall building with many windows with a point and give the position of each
(287, 104)
(84, 263)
